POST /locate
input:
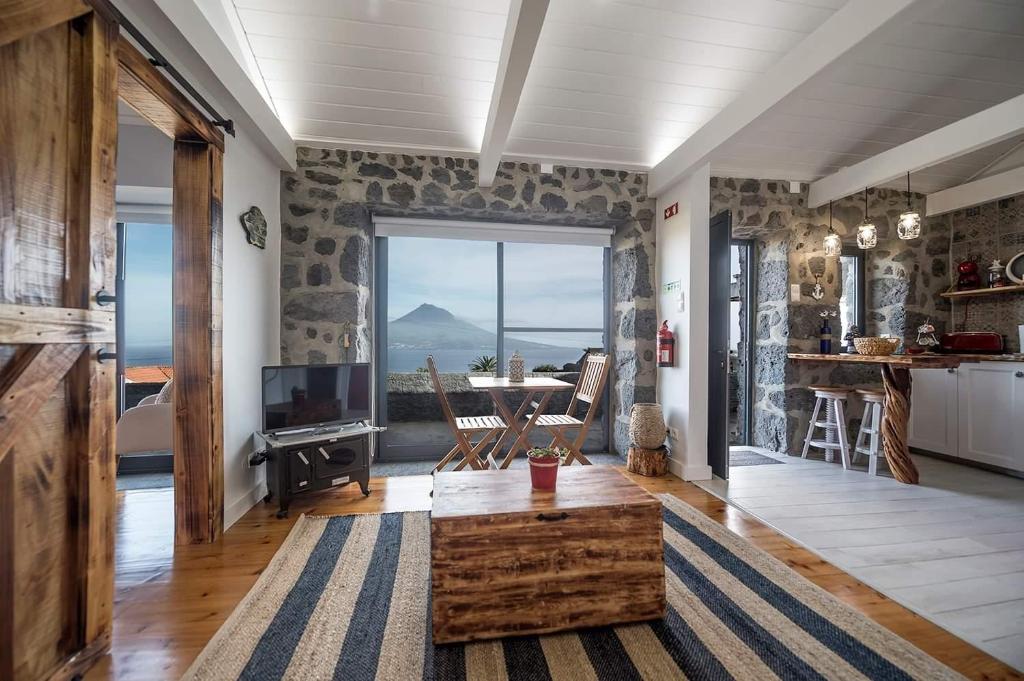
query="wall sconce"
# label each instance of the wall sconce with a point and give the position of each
(867, 235)
(909, 226)
(833, 245)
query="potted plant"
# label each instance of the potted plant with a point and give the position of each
(544, 463)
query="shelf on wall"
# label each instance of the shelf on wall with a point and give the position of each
(984, 292)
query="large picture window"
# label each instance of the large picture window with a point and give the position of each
(470, 304)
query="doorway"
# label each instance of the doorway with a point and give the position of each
(145, 264)
(742, 285)
(719, 358)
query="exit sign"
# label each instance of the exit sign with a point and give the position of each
(672, 210)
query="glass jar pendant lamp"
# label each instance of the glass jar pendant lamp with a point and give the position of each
(909, 226)
(867, 235)
(832, 243)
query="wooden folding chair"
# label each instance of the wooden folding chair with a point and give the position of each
(589, 389)
(464, 428)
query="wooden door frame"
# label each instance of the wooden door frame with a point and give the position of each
(197, 217)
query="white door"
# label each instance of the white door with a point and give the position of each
(992, 413)
(933, 410)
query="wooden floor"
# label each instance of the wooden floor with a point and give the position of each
(950, 548)
(170, 602)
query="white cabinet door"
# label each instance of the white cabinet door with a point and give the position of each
(992, 413)
(933, 410)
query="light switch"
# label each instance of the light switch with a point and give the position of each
(679, 302)
(794, 293)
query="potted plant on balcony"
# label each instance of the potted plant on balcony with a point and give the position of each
(544, 463)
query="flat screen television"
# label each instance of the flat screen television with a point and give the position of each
(297, 397)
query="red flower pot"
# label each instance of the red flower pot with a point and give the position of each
(544, 472)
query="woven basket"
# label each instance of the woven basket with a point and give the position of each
(647, 425)
(874, 345)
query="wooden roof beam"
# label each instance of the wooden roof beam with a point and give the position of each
(851, 25)
(990, 126)
(522, 30)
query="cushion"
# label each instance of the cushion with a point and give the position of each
(166, 394)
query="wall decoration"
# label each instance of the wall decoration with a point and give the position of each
(255, 226)
(818, 292)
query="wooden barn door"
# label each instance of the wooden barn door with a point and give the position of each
(58, 136)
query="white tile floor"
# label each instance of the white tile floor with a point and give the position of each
(950, 548)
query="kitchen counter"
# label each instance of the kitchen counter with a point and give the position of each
(896, 382)
(931, 359)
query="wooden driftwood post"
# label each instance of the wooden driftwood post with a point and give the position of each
(649, 462)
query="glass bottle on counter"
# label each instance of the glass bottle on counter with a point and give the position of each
(825, 334)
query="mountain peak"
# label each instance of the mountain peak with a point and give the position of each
(428, 314)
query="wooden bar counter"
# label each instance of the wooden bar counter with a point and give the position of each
(896, 381)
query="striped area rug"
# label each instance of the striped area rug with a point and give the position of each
(347, 598)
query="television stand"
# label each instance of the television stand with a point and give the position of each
(315, 459)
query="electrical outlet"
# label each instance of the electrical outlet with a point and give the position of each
(673, 433)
(794, 293)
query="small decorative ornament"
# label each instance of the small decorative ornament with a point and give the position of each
(968, 278)
(848, 346)
(516, 368)
(997, 275)
(817, 292)
(926, 335)
(255, 226)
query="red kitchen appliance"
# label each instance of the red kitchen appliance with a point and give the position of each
(971, 342)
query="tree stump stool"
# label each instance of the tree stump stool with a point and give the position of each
(649, 462)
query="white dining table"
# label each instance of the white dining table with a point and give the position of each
(533, 386)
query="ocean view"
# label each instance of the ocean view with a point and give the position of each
(148, 355)
(402, 360)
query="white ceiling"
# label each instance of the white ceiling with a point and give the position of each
(913, 78)
(620, 83)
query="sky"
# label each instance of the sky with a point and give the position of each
(545, 284)
(148, 306)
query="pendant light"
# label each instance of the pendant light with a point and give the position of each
(832, 242)
(867, 235)
(909, 226)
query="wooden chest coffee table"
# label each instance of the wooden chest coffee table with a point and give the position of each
(506, 560)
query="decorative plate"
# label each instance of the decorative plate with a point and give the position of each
(255, 226)
(1015, 268)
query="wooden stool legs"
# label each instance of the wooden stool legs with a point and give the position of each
(869, 437)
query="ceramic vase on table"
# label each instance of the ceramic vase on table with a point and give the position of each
(516, 368)
(647, 425)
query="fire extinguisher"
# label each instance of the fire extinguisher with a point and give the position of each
(666, 346)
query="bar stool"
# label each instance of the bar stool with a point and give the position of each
(869, 437)
(834, 424)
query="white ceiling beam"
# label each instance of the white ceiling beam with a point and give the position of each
(851, 25)
(987, 189)
(525, 19)
(990, 126)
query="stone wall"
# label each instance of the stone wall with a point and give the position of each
(904, 279)
(327, 242)
(992, 230)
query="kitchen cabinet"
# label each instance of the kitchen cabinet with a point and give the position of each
(933, 411)
(975, 412)
(991, 423)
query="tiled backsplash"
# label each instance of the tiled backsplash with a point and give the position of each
(986, 232)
